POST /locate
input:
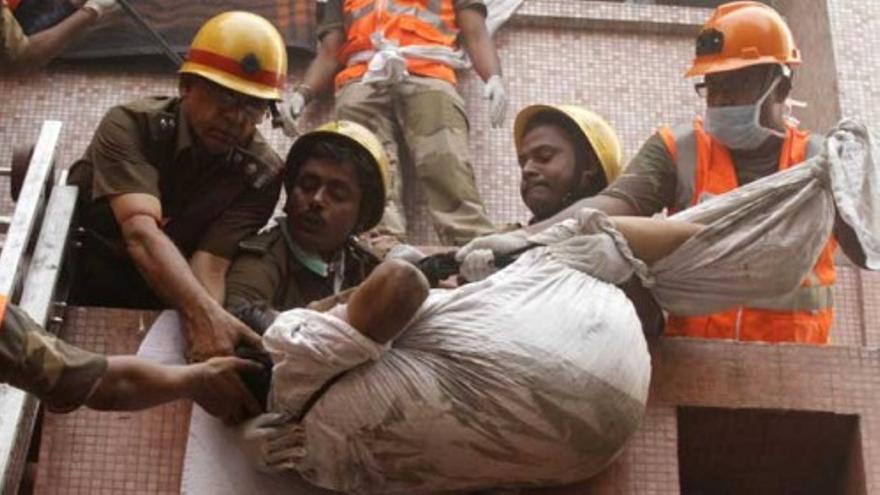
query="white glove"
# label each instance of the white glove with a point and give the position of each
(101, 7)
(405, 252)
(497, 96)
(291, 112)
(478, 265)
(272, 443)
(496, 245)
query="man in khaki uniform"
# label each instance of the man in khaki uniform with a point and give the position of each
(170, 186)
(336, 182)
(66, 377)
(393, 63)
(20, 53)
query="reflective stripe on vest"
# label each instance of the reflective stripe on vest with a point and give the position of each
(428, 26)
(809, 307)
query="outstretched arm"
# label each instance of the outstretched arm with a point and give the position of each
(131, 383)
(652, 239)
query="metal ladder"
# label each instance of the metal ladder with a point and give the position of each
(31, 262)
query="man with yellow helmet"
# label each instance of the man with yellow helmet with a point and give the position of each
(392, 63)
(565, 153)
(336, 182)
(745, 54)
(170, 185)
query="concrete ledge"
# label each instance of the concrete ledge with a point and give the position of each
(608, 16)
(736, 381)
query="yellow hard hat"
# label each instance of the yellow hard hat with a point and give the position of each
(595, 129)
(742, 34)
(240, 51)
(364, 141)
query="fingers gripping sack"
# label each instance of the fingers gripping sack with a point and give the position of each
(270, 442)
(258, 317)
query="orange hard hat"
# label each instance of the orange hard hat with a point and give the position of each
(742, 34)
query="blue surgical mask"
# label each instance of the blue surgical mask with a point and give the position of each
(739, 127)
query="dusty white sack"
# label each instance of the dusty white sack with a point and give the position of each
(763, 238)
(536, 375)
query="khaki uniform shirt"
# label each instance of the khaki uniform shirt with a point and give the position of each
(207, 201)
(37, 362)
(12, 41)
(266, 271)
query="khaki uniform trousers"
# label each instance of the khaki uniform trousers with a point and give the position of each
(431, 118)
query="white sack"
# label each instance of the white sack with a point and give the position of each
(763, 238)
(539, 373)
(536, 375)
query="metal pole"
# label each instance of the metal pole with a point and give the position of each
(169, 52)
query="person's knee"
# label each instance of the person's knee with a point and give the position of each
(409, 284)
(389, 298)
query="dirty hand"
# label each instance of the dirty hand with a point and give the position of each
(291, 111)
(272, 443)
(216, 332)
(101, 7)
(217, 388)
(495, 92)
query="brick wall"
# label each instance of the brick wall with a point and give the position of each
(624, 61)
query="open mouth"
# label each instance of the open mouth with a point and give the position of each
(312, 221)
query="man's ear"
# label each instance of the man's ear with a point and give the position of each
(587, 177)
(183, 85)
(783, 89)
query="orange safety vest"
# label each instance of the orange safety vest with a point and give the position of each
(408, 22)
(704, 167)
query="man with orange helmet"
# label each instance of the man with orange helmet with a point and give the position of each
(745, 54)
(21, 53)
(393, 62)
(170, 185)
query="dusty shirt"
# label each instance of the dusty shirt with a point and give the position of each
(12, 40)
(37, 362)
(650, 182)
(146, 147)
(334, 19)
(266, 271)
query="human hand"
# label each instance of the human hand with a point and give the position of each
(101, 7)
(273, 443)
(216, 332)
(291, 111)
(216, 387)
(495, 92)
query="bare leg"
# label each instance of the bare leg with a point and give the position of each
(652, 239)
(385, 302)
